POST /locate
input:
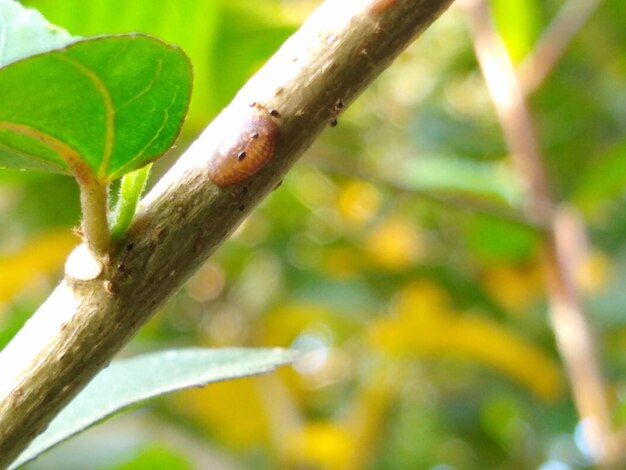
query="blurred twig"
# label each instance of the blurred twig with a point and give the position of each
(573, 335)
(541, 61)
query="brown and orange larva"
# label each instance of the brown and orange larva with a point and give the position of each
(242, 156)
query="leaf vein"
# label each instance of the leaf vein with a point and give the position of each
(28, 156)
(147, 88)
(109, 110)
(156, 135)
(76, 164)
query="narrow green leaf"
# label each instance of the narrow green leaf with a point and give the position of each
(100, 107)
(128, 382)
(131, 187)
(451, 175)
(25, 32)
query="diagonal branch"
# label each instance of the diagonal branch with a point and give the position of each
(334, 56)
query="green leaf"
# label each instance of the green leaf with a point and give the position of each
(519, 24)
(157, 458)
(131, 187)
(128, 382)
(497, 241)
(604, 178)
(98, 108)
(451, 175)
(25, 32)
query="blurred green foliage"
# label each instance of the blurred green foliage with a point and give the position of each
(419, 293)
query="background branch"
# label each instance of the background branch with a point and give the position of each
(573, 335)
(90, 316)
(552, 44)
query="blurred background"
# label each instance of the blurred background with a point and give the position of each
(399, 251)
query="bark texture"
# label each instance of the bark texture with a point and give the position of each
(318, 72)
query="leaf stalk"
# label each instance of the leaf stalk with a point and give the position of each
(95, 227)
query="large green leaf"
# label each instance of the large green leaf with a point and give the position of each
(128, 382)
(25, 32)
(99, 108)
